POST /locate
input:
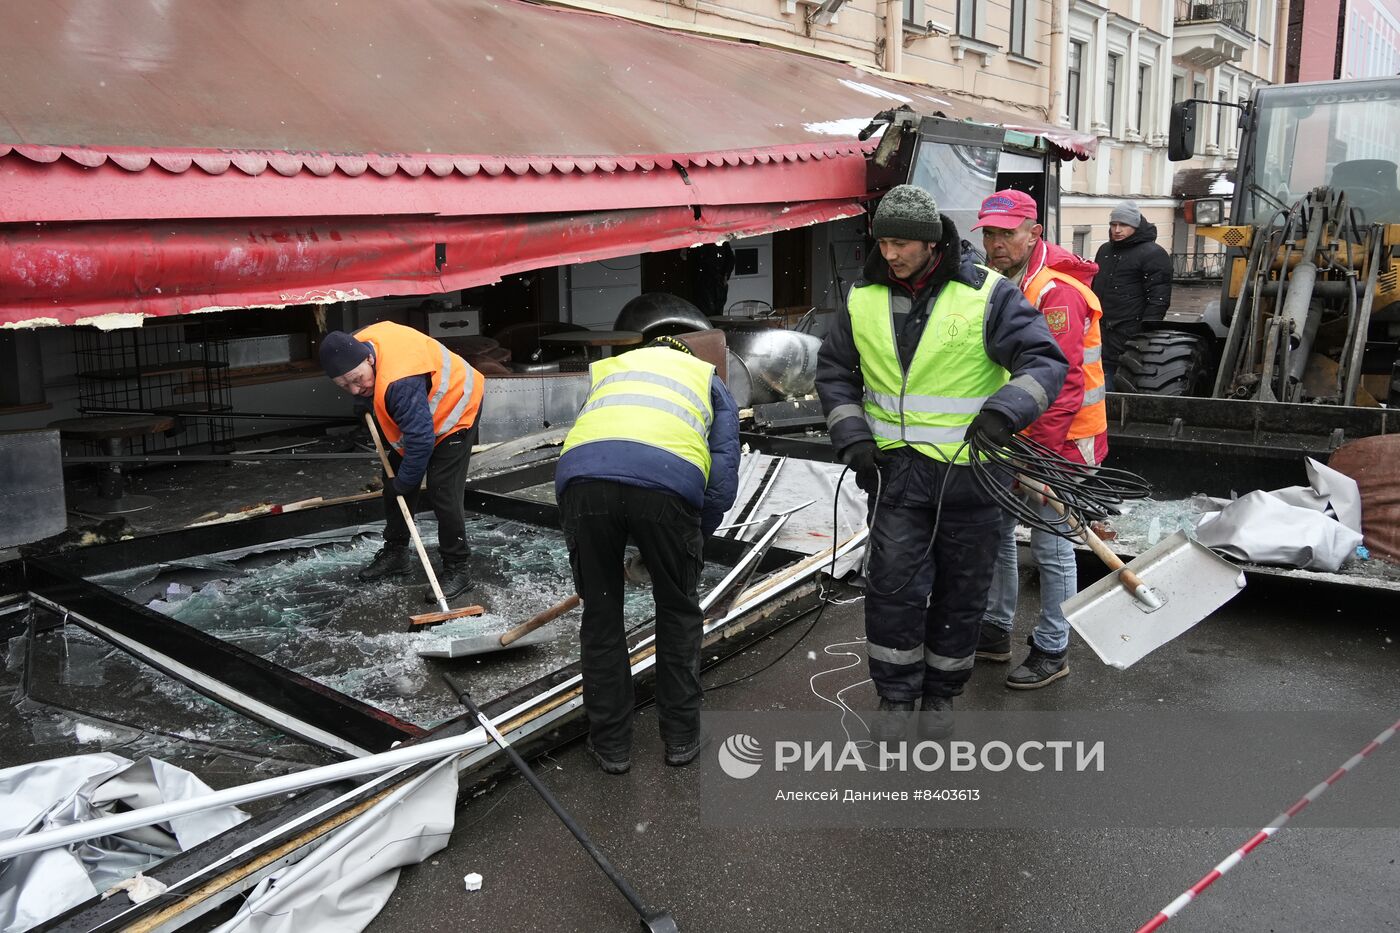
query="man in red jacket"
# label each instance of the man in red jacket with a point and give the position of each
(1057, 282)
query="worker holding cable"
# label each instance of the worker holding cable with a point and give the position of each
(935, 349)
(653, 457)
(1075, 427)
(426, 400)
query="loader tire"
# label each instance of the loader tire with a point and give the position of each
(1164, 362)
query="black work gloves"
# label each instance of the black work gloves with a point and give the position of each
(993, 427)
(863, 457)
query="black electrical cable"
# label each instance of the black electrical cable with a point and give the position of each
(1086, 492)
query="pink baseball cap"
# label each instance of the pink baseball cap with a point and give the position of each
(1006, 209)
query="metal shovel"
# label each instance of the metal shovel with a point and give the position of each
(522, 636)
(1144, 604)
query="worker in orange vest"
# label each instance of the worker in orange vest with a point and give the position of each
(1075, 426)
(426, 400)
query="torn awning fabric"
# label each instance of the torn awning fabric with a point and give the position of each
(142, 126)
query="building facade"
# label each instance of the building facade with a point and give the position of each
(1113, 69)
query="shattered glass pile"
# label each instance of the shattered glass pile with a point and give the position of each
(305, 610)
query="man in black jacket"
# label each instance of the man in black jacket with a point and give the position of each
(1134, 282)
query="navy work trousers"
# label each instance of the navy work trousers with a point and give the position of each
(598, 517)
(447, 485)
(926, 593)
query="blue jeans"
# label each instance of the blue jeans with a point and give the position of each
(1058, 582)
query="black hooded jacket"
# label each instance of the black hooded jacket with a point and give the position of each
(1134, 284)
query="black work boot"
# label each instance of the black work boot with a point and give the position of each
(993, 643)
(456, 579)
(619, 765)
(1039, 669)
(391, 561)
(681, 754)
(935, 718)
(890, 723)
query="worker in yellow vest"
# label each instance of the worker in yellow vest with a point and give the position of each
(426, 400)
(1075, 426)
(934, 348)
(654, 457)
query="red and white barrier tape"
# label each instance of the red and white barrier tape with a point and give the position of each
(1259, 838)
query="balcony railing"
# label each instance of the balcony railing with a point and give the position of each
(1198, 267)
(1232, 13)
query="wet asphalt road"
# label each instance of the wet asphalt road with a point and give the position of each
(1275, 648)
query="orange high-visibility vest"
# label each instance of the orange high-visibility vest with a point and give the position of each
(455, 390)
(1092, 419)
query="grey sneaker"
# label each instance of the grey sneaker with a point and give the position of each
(1039, 669)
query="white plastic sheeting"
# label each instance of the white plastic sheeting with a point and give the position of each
(345, 882)
(1315, 527)
(63, 791)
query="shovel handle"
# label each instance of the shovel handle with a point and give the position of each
(407, 516)
(540, 618)
(1131, 581)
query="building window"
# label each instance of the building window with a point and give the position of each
(1220, 121)
(1110, 93)
(1081, 241)
(1144, 99)
(1017, 42)
(913, 11)
(969, 22)
(1072, 84)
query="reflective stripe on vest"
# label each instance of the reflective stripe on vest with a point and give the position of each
(652, 396)
(1092, 418)
(455, 388)
(949, 379)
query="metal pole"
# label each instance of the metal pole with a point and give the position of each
(161, 813)
(650, 918)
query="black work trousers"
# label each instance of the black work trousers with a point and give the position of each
(926, 593)
(598, 517)
(447, 481)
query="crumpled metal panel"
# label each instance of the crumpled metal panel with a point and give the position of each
(31, 487)
(455, 85)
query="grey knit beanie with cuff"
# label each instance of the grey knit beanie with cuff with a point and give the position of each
(1126, 213)
(908, 212)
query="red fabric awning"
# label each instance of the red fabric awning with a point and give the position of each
(145, 137)
(66, 274)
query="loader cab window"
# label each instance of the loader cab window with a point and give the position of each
(958, 165)
(1341, 135)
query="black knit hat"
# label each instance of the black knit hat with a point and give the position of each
(341, 353)
(908, 212)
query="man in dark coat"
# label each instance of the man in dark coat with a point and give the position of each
(1134, 282)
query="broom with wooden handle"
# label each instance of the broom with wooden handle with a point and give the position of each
(445, 613)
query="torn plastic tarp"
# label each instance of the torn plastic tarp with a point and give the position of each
(63, 791)
(1315, 527)
(344, 884)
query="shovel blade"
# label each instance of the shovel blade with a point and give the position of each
(1191, 580)
(484, 644)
